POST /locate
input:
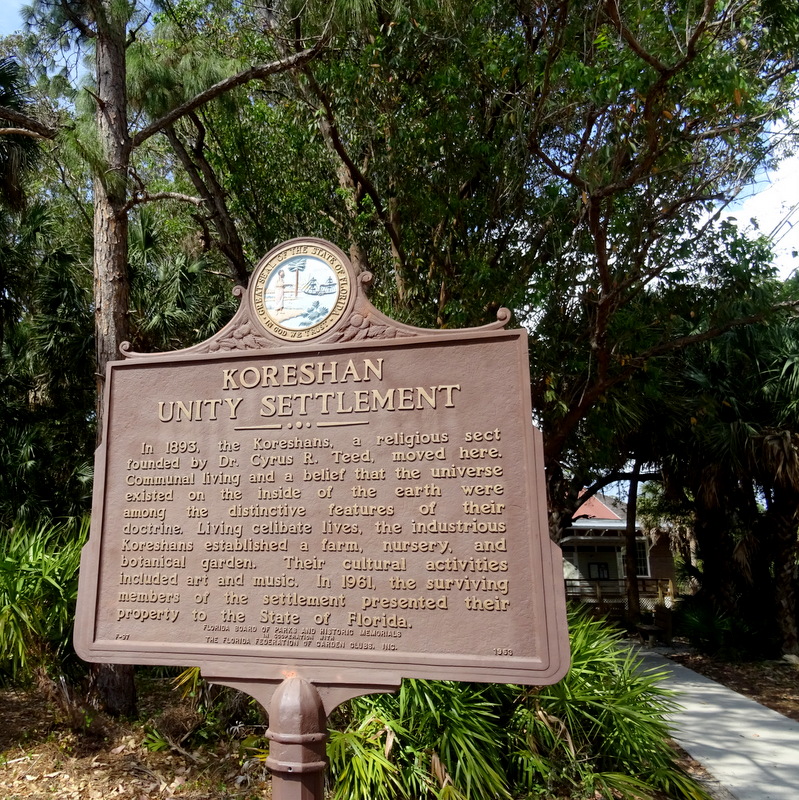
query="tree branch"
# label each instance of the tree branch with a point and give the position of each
(146, 197)
(359, 179)
(30, 124)
(245, 76)
(554, 442)
(21, 132)
(612, 10)
(750, 122)
(616, 477)
(638, 279)
(711, 333)
(572, 178)
(132, 34)
(79, 202)
(75, 20)
(208, 187)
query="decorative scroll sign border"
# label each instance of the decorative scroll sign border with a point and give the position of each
(348, 330)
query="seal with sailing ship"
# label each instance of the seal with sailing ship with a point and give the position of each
(314, 287)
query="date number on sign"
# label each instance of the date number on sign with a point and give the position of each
(503, 651)
(181, 447)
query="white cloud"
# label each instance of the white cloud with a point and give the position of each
(773, 202)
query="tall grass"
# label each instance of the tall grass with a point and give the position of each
(600, 732)
(38, 590)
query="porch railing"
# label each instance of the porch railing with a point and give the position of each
(609, 596)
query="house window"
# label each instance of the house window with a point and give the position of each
(598, 571)
(641, 559)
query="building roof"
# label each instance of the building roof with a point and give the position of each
(596, 508)
(601, 511)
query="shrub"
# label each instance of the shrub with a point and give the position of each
(600, 732)
(718, 634)
(38, 591)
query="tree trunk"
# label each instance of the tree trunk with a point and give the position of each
(205, 182)
(111, 285)
(113, 686)
(113, 689)
(715, 545)
(786, 550)
(631, 551)
(563, 499)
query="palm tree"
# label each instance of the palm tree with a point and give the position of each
(297, 266)
(177, 298)
(774, 463)
(737, 458)
(18, 152)
(46, 373)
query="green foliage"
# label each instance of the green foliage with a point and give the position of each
(731, 457)
(560, 159)
(603, 727)
(38, 590)
(601, 731)
(178, 297)
(210, 713)
(46, 373)
(18, 154)
(155, 741)
(718, 634)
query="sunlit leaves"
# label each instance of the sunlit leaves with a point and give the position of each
(38, 590)
(601, 729)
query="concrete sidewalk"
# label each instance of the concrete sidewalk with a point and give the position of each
(752, 751)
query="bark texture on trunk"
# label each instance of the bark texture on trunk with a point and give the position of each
(719, 573)
(111, 284)
(113, 687)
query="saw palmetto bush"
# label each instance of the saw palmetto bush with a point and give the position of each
(600, 732)
(38, 590)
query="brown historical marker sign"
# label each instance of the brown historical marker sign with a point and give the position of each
(323, 492)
